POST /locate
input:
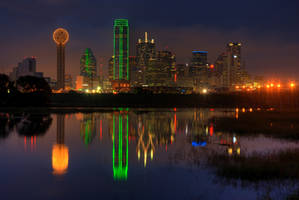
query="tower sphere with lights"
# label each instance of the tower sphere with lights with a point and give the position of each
(60, 37)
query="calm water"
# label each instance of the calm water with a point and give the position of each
(131, 154)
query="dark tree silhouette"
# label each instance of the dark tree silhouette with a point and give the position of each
(6, 125)
(7, 89)
(4, 83)
(28, 84)
(34, 124)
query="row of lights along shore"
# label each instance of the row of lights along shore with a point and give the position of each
(267, 86)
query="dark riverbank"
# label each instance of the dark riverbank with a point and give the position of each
(277, 100)
(287, 99)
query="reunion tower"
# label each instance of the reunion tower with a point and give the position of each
(60, 37)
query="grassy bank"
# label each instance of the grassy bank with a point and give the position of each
(279, 124)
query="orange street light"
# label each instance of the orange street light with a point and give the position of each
(292, 85)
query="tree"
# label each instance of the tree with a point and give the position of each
(5, 84)
(28, 84)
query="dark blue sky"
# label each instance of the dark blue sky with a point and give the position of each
(268, 30)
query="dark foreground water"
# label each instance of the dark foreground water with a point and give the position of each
(149, 154)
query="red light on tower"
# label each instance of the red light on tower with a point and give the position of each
(175, 77)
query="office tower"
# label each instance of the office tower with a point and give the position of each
(228, 67)
(60, 37)
(146, 50)
(88, 70)
(161, 70)
(134, 71)
(121, 71)
(110, 68)
(25, 68)
(68, 82)
(182, 77)
(223, 71)
(199, 58)
(199, 61)
(88, 64)
(199, 70)
(233, 51)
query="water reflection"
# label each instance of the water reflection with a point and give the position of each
(120, 139)
(60, 152)
(208, 147)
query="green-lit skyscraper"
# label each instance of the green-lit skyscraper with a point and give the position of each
(121, 50)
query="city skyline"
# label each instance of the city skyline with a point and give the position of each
(269, 46)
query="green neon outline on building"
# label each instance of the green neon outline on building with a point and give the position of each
(121, 24)
(128, 39)
(121, 52)
(120, 172)
(87, 61)
(114, 53)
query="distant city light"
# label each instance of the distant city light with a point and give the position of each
(292, 85)
(204, 91)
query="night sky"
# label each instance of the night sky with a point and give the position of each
(268, 29)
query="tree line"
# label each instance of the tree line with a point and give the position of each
(25, 91)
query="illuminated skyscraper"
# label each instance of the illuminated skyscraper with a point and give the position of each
(160, 70)
(88, 64)
(199, 58)
(234, 61)
(228, 66)
(199, 69)
(146, 51)
(121, 71)
(88, 70)
(60, 37)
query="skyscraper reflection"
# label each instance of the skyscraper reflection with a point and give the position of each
(120, 151)
(60, 152)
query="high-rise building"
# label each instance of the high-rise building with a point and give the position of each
(88, 64)
(234, 58)
(199, 58)
(182, 77)
(222, 69)
(121, 69)
(199, 61)
(161, 70)
(25, 68)
(134, 71)
(88, 70)
(199, 70)
(228, 66)
(145, 51)
(68, 82)
(60, 37)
